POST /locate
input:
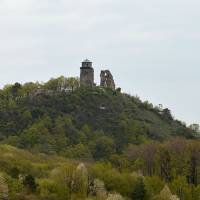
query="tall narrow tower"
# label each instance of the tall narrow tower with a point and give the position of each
(87, 74)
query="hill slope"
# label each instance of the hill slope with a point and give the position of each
(81, 122)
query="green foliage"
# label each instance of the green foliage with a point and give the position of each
(14, 172)
(103, 148)
(29, 183)
(58, 178)
(49, 189)
(180, 187)
(114, 180)
(139, 192)
(153, 185)
(59, 117)
(113, 145)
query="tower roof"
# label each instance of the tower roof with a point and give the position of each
(86, 61)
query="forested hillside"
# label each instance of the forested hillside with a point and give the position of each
(92, 143)
(60, 117)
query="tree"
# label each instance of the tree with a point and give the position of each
(14, 172)
(50, 190)
(103, 148)
(80, 181)
(165, 164)
(29, 182)
(79, 151)
(73, 83)
(195, 127)
(53, 84)
(194, 152)
(119, 162)
(181, 188)
(139, 192)
(153, 185)
(63, 176)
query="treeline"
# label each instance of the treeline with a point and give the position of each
(169, 160)
(167, 171)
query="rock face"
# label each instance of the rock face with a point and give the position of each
(107, 80)
(87, 74)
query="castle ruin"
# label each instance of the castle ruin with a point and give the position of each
(107, 80)
(87, 76)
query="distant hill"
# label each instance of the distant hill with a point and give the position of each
(61, 117)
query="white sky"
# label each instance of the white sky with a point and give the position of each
(151, 46)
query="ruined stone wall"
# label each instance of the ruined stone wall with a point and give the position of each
(87, 76)
(107, 80)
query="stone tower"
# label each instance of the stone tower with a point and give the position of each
(87, 74)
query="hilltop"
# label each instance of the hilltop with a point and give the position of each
(81, 122)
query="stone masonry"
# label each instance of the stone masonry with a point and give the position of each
(107, 80)
(87, 76)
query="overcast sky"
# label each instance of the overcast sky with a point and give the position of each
(151, 46)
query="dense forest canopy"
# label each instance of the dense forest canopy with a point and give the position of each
(61, 117)
(111, 145)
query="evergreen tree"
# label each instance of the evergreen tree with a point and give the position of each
(139, 192)
(30, 183)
